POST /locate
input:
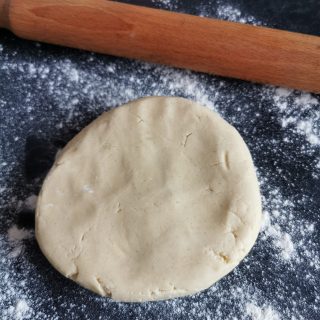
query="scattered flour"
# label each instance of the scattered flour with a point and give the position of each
(227, 12)
(297, 114)
(284, 243)
(305, 127)
(281, 240)
(16, 235)
(166, 3)
(20, 311)
(217, 9)
(171, 5)
(31, 202)
(16, 239)
(74, 75)
(261, 313)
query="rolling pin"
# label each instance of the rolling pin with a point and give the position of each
(208, 45)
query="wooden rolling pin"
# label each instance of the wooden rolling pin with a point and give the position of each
(209, 45)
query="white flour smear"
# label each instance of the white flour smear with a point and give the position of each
(261, 313)
(16, 239)
(73, 93)
(19, 312)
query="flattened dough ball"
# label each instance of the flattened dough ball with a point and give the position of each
(153, 200)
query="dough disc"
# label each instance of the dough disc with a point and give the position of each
(153, 200)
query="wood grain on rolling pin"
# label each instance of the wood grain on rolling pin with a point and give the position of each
(209, 45)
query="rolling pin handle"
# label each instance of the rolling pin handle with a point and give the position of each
(4, 6)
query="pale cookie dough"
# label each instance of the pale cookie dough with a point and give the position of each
(153, 200)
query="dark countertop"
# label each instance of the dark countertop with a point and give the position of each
(48, 93)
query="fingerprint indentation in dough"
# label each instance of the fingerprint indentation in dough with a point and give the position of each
(234, 233)
(210, 188)
(119, 209)
(103, 288)
(140, 119)
(226, 160)
(74, 274)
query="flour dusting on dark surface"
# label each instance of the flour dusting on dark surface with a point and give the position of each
(48, 94)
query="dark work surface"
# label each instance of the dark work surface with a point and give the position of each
(48, 94)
